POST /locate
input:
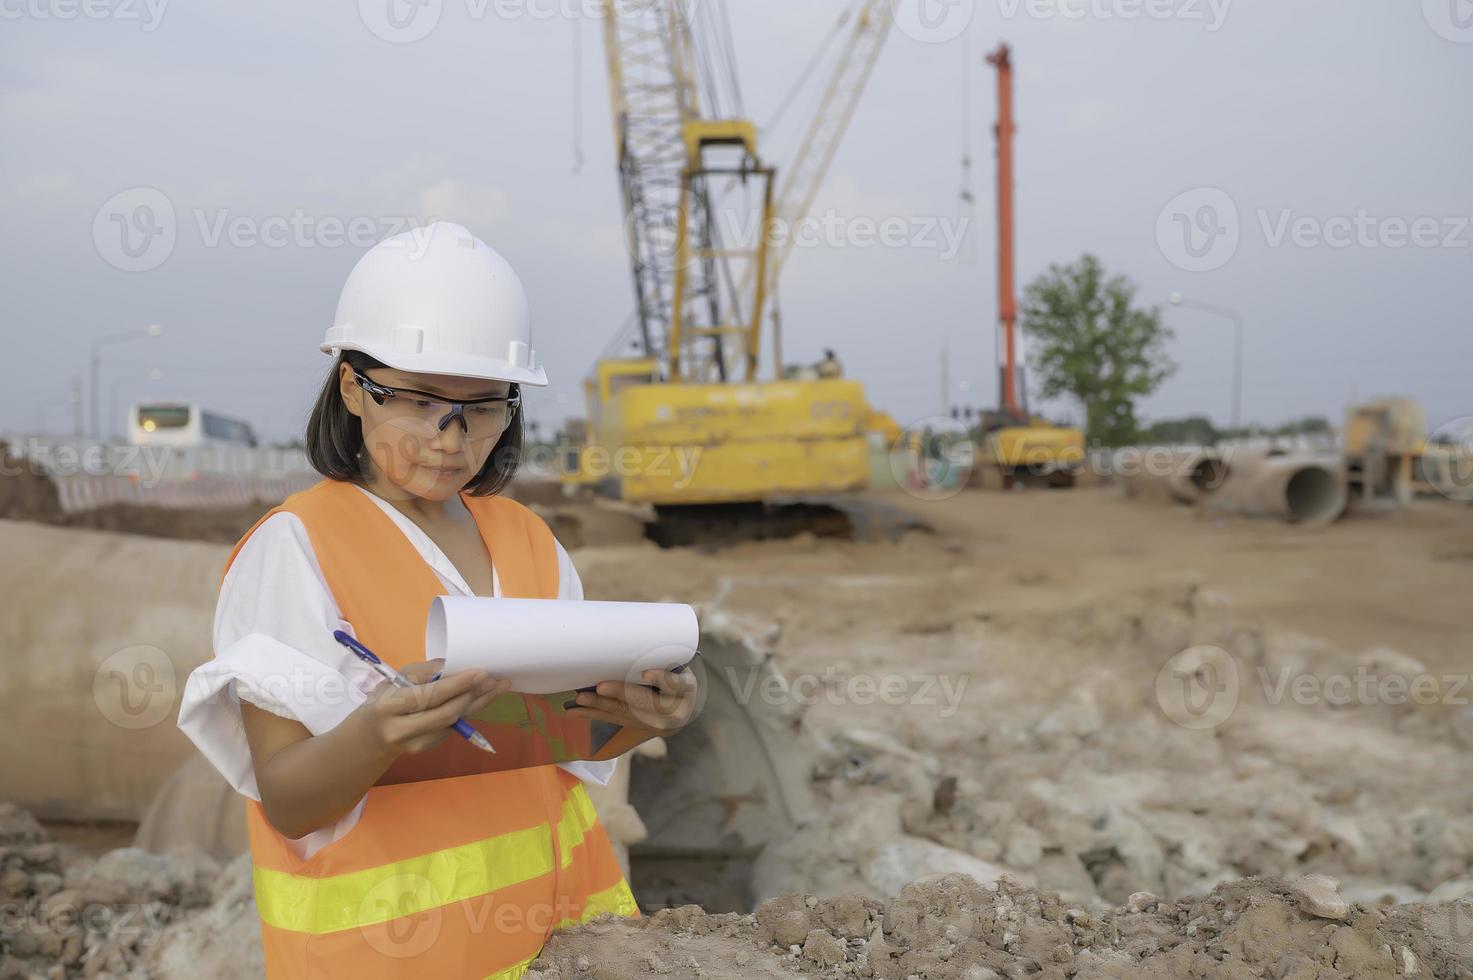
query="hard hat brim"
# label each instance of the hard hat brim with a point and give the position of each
(456, 365)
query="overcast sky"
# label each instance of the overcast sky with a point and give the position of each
(1306, 163)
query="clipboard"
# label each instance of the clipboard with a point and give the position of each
(526, 730)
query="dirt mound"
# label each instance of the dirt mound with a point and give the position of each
(127, 913)
(953, 927)
(26, 495)
(221, 525)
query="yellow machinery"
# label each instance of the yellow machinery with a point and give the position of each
(1383, 440)
(686, 424)
(1036, 453)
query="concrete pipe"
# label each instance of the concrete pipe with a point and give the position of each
(1185, 476)
(99, 633)
(736, 781)
(1297, 489)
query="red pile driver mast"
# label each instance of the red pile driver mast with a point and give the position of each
(1007, 305)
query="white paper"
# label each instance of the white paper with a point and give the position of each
(544, 646)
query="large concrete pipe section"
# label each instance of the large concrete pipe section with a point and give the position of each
(1186, 476)
(1298, 489)
(99, 633)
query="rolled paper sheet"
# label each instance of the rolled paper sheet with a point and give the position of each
(544, 646)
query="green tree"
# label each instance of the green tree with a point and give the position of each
(1090, 342)
(1195, 430)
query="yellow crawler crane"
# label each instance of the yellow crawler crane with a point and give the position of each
(687, 425)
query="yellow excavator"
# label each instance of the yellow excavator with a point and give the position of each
(685, 424)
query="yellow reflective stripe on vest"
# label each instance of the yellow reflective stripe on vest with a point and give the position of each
(402, 888)
(617, 900)
(578, 818)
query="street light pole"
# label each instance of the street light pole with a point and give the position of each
(152, 330)
(1177, 299)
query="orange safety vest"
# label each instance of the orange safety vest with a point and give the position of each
(459, 877)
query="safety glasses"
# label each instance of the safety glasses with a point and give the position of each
(478, 418)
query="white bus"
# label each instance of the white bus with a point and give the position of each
(184, 424)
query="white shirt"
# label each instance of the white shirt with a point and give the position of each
(274, 648)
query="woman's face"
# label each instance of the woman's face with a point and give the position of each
(409, 453)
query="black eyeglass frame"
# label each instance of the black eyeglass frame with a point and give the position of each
(380, 392)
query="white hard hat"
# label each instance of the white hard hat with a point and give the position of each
(437, 300)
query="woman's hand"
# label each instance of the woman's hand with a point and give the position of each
(416, 719)
(662, 711)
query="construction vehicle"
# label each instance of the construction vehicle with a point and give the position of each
(1015, 448)
(1444, 468)
(686, 425)
(1382, 441)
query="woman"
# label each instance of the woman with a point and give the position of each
(380, 847)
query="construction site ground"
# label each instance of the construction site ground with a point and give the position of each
(994, 696)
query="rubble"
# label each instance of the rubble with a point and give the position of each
(125, 915)
(953, 927)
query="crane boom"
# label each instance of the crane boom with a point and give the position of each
(1007, 303)
(652, 95)
(872, 21)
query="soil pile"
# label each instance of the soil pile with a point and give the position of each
(953, 927)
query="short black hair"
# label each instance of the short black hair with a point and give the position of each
(335, 436)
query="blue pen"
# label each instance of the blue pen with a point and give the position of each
(461, 726)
